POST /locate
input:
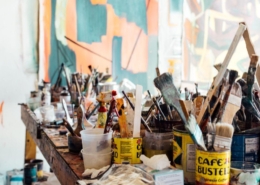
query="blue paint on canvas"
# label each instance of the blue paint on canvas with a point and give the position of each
(176, 5)
(145, 79)
(91, 21)
(59, 53)
(133, 11)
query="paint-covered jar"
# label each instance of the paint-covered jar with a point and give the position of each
(158, 143)
(245, 147)
(30, 173)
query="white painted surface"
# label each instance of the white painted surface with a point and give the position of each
(17, 75)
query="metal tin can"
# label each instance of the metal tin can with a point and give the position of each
(127, 150)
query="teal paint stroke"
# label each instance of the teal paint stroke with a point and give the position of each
(59, 53)
(91, 21)
(176, 5)
(145, 78)
(132, 10)
(207, 4)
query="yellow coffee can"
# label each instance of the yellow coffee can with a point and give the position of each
(127, 150)
(212, 167)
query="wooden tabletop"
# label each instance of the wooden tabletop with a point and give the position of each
(67, 166)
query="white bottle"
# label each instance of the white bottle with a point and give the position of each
(46, 97)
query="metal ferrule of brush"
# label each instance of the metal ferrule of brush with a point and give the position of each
(222, 143)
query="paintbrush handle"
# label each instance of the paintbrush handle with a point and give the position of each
(109, 120)
(159, 108)
(67, 125)
(222, 70)
(92, 112)
(251, 75)
(67, 78)
(59, 77)
(77, 85)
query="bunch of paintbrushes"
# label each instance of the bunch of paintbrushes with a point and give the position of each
(171, 96)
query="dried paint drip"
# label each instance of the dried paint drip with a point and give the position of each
(1, 113)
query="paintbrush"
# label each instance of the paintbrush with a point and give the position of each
(223, 137)
(58, 78)
(67, 125)
(233, 74)
(158, 73)
(233, 104)
(171, 96)
(67, 78)
(159, 109)
(68, 118)
(220, 94)
(77, 85)
(217, 80)
(250, 82)
(187, 107)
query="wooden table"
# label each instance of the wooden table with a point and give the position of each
(67, 166)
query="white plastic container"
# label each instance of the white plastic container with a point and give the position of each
(94, 141)
(47, 113)
(96, 160)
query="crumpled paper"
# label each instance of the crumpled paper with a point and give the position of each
(157, 162)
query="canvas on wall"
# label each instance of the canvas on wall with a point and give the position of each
(119, 35)
(209, 28)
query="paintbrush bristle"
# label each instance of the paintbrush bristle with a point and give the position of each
(224, 130)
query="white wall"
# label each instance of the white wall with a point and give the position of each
(18, 69)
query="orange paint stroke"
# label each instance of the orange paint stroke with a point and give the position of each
(95, 2)
(139, 59)
(1, 113)
(152, 17)
(191, 32)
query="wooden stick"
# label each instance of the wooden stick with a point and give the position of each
(231, 50)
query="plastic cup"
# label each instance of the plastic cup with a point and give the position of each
(95, 141)
(96, 160)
